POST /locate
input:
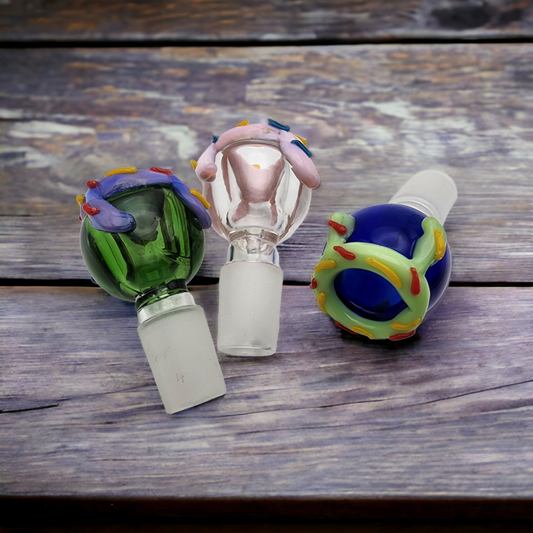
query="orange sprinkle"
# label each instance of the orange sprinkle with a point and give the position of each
(440, 245)
(242, 123)
(198, 195)
(405, 327)
(361, 331)
(394, 278)
(321, 299)
(327, 264)
(304, 141)
(124, 170)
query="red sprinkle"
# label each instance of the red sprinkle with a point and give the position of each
(314, 284)
(90, 210)
(415, 283)
(92, 184)
(80, 219)
(402, 336)
(345, 253)
(339, 325)
(167, 171)
(339, 228)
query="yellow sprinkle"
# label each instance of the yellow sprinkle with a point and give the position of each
(395, 280)
(125, 170)
(304, 141)
(406, 327)
(80, 199)
(198, 195)
(243, 123)
(257, 166)
(361, 331)
(193, 163)
(321, 299)
(440, 245)
(328, 264)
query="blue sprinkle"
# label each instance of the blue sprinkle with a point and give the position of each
(94, 281)
(302, 146)
(275, 124)
(215, 138)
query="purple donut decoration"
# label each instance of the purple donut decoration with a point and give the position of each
(105, 217)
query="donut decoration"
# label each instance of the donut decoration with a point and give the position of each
(104, 216)
(293, 147)
(382, 268)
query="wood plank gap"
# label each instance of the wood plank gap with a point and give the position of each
(255, 43)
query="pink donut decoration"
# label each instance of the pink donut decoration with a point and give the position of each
(290, 145)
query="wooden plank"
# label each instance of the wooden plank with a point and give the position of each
(267, 21)
(329, 418)
(373, 116)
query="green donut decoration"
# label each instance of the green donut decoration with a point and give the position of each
(407, 276)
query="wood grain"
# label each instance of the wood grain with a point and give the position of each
(329, 418)
(373, 116)
(265, 21)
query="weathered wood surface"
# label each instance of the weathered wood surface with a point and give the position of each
(373, 116)
(330, 417)
(266, 21)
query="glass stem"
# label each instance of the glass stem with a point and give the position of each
(255, 246)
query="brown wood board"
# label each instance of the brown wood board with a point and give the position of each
(373, 117)
(330, 417)
(264, 21)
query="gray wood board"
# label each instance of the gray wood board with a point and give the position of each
(330, 416)
(266, 21)
(373, 115)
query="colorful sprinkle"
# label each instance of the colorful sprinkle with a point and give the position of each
(242, 123)
(304, 141)
(167, 171)
(440, 245)
(302, 147)
(402, 336)
(278, 125)
(215, 139)
(321, 299)
(198, 195)
(361, 331)
(80, 199)
(415, 282)
(327, 264)
(79, 218)
(90, 210)
(92, 184)
(403, 327)
(124, 170)
(193, 163)
(339, 228)
(345, 253)
(395, 280)
(314, 284)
